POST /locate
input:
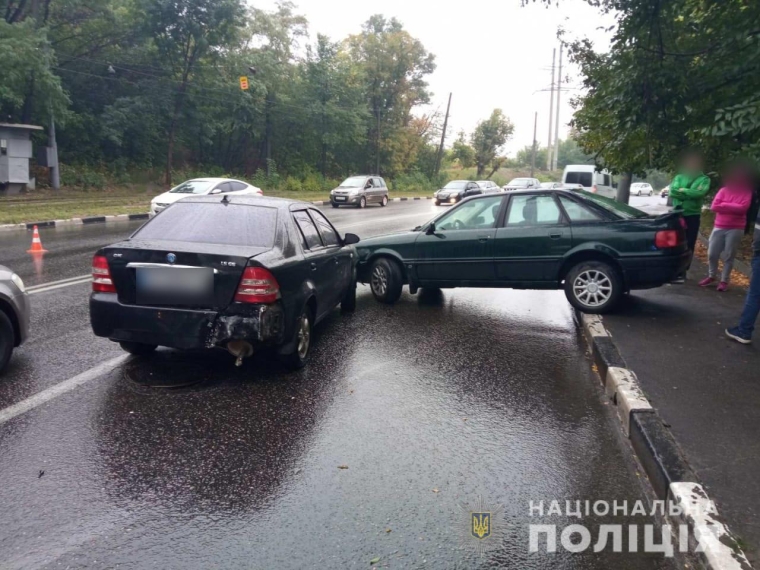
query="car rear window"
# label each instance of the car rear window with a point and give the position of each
(582, 178)
(618, 208)
(213, 222)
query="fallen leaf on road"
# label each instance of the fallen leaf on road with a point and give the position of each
(435, 490)
(374, 560)
(387, 530)
(342, 466)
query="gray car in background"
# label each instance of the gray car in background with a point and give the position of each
(359, 191)
(14, 314)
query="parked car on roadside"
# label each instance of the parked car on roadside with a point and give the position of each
(455, 191)
(488, 186)
(202, 187)
(360, 191)
(590, 179)
(593, 247)
(14, 314)
(522, 184)
(642, 189)
(235, 272)
(665, 191)
(559, 186)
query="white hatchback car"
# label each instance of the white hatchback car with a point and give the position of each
(642, 189)
(201, 187)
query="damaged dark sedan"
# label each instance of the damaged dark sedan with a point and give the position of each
(240, 273)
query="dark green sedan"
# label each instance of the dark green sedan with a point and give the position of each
(594, 248)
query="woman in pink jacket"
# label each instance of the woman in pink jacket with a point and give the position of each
(730, 205)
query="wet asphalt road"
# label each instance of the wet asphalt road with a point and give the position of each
(184, 461)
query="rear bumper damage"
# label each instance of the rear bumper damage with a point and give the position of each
(185, 328)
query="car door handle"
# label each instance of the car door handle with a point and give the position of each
(555, 235)
(483, 239)
(313, 266)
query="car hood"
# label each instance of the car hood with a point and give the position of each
(447, 191)
(171, 197)
(367, 245)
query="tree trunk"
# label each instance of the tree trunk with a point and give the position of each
(624, 187)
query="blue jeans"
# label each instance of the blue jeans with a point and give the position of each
(752, 303)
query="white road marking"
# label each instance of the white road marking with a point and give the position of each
(59, 389)
(58, 284)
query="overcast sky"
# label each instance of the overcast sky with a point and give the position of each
(489, 53)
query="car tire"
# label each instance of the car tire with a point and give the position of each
(334, 205)
(137, 348)
(639, 193)
(362, 202)
(386, 280)
(384, 201)
(593, 287)
(348, 303)
(7, 340)
(437, 203)
(303, 334)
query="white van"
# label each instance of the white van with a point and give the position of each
(592, 180)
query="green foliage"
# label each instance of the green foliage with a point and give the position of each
(488, 138)
(462, 152)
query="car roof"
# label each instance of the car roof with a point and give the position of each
(212, 179)
(266, 201)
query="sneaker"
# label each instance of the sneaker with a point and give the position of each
(737, 335)
(680, 280)
(707, 281)
(723, 287)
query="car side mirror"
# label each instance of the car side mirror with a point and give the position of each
(430, 229)
(350, 239)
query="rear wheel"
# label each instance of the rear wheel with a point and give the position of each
(384, 201)
(593, 287)
(302, 341)
(7, 340)
(137, 348)
(386, 280)
(362, 202)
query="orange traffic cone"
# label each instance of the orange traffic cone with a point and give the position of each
(36, 243)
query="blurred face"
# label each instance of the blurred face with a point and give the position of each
(739, 176)
(692, 163)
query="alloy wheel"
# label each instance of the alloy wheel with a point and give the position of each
(592, 288)
(379, 281)
(304, 335)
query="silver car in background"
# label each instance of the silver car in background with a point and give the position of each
(489, 186)
(14, 314)
(359, 191)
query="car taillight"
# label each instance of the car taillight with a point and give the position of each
(668, 238)
(257, 286)
(101, 276)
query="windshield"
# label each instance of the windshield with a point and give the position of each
(193, 187)
(353, 182)
(617, 208)
(455, 185)
(227, 224)
(519, 182)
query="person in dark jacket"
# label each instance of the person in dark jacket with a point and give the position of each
(743, 331)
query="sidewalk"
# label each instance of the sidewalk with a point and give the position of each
(705, 386)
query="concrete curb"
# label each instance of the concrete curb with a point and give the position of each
(126, 217)
(657, 450)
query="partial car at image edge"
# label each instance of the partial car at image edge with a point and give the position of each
(14, 314)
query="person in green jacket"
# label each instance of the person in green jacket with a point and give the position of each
(688, 191)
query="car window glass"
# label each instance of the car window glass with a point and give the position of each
(531, 209)
(213, 222)
(237, 186)
(329, 236)
(377, 183)
(578, 212)
(582, 178)
(223, 187)
(369, 183)
(607, 180)
(475, 214)
(308, 230)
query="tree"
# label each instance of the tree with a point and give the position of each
(488, 138)
(463, 152)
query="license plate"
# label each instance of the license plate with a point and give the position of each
(174, 285)
(340, 198)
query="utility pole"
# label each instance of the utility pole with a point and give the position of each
(556, 127)
(55, 171)
(551, 117)
(443, 138)
(535, 144)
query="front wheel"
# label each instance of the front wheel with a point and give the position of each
(137, 348)
(437, 203)
(300, 355)
(384, 202)
(593, 287)
(7, 340)
(386, 280)
(639, 193)
(362, 202)
(334, 205)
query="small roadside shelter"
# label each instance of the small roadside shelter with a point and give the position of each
(15, 152)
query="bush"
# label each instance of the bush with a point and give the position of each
(293, 184)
